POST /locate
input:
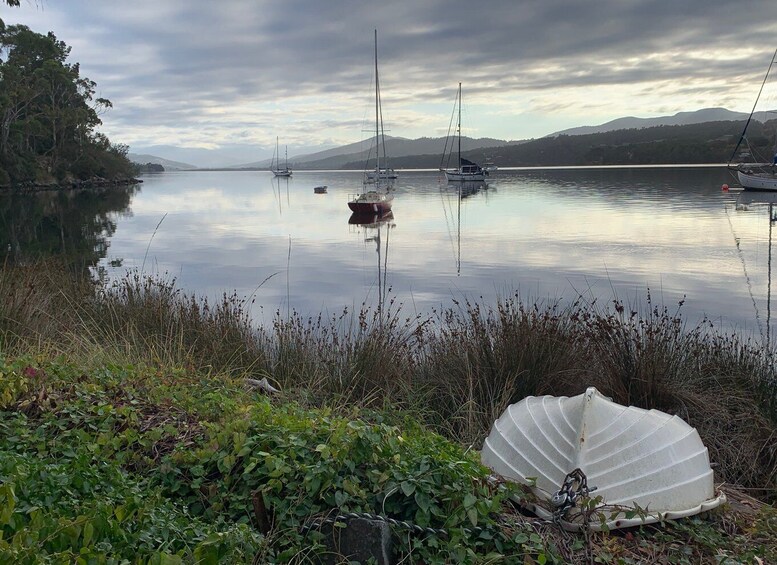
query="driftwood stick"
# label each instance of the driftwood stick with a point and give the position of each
(261, 384)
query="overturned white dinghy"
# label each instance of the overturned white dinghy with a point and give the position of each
(646, 465)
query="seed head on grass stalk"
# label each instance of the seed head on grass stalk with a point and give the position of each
(362, 357)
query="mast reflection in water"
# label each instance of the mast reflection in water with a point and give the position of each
(462, 190)
(373, 225)
(604, 233)
(757, 201)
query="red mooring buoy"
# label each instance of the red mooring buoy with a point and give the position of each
(724, 188)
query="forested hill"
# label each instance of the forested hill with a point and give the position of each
(709, 142)
(48, 117)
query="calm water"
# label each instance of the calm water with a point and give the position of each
(546, 234)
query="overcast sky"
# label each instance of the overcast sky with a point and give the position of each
(224, 73)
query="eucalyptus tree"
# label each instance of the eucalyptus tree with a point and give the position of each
(11, 3)
(48, 112)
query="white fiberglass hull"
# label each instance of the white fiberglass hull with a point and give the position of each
(758, 181)
(635, 458)
(452, 176)
(384, 175)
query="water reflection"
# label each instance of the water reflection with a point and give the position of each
(376, 228)
(280, 191)
(760, 202)
(608, 233)
(457, 192)
(470, 188)
(75, 225)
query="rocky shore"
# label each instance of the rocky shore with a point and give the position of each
(94, 182)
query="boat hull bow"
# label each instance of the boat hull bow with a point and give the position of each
(369, 207)
(371, 202)
(757, 181)
(456, 176)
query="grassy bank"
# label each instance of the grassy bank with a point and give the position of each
(127, 428)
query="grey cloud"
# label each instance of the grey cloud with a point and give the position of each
(183, 57)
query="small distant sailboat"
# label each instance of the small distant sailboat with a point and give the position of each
(465, 170)
(489, 166)
(385, 173)
(275, 166)
(375, 201)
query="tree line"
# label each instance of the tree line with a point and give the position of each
(708, 142)
(49, 115)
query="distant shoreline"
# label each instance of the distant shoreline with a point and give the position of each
(495, 175)
(72, 185)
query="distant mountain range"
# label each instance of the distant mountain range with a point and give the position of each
(169, 165)
(679, 119)
(418, 152)
(355, 155)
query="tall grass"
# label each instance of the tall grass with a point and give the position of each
(476, 361)
(456, 370)
(151, 320)
(721, 384)
(35, 303)
(362, 358)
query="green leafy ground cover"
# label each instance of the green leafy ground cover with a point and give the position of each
(123, 464)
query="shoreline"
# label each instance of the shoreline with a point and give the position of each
(95, 182)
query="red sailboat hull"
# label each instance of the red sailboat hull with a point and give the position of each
(370, 207)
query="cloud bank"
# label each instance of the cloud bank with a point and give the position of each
(214, 74)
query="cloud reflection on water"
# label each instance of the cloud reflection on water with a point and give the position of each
(545, 233)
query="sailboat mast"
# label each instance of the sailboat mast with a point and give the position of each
(377, 98)
(277, 155)
(750, 117)
(459, 128)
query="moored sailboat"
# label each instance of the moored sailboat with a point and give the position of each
(371, 202)
(756, 176)
(275, 166)
(489, 166)
(375, 201)
(466, 170)
(385, 173)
